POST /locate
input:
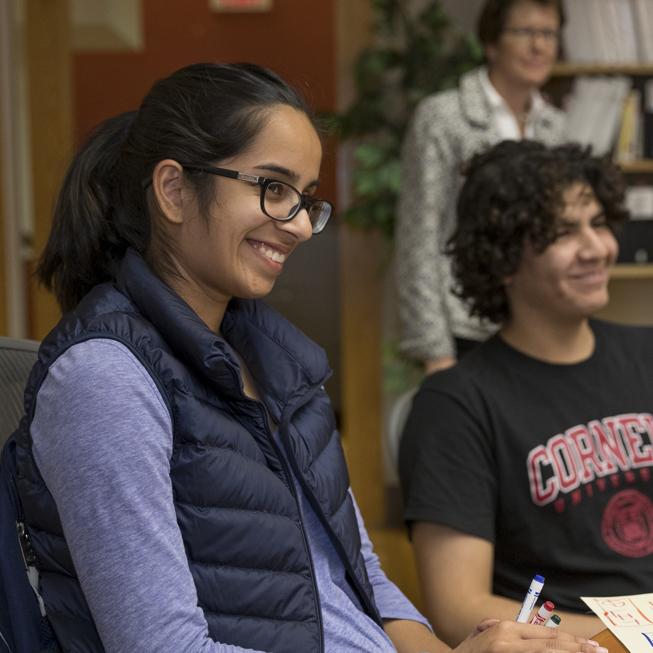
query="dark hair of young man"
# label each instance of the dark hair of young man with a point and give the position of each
(513, 194)
(492, 19)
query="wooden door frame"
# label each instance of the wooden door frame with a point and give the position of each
(48, 39)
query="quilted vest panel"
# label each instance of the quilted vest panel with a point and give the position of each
(231, 486)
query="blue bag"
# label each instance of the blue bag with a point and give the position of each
(22, 628)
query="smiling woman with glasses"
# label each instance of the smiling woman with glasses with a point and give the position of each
(193, 495)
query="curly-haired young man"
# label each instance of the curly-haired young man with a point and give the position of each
(533, 454)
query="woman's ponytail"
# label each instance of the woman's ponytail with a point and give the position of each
(84, 243)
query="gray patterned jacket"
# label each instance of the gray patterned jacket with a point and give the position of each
(446, 130)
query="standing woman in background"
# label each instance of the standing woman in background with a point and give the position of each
(182, 482)
(497, 102)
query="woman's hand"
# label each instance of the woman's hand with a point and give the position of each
(494, 636)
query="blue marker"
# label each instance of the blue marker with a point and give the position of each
(530, 599)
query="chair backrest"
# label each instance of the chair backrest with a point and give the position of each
(16, 360)
(396, 420)
(22, 628)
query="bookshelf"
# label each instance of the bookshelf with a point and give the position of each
(631, 284)
(625, 271)
(608, 60)
(571, 69)
(643, 166)
(631, 288)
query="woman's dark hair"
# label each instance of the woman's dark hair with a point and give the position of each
(200, 114)
(494, 14)
(513, 194)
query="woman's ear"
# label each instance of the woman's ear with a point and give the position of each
(167, 186)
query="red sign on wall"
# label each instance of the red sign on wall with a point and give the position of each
(240, 5)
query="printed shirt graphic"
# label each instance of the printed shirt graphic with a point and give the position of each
(552, 463)
(597, 457)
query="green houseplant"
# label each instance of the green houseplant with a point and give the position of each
(415, 53)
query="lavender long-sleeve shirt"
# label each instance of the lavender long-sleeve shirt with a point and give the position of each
(103, 441)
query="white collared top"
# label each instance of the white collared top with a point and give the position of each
(504, 119)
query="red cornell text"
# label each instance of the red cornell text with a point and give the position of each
(588, 452)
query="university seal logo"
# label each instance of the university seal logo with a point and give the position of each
(627, 525)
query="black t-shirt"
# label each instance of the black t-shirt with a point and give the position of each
(552, 463)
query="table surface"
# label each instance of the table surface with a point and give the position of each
(607, 639)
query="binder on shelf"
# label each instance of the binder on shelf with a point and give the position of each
(601, 39)
(636, 242)
(595, 110)
(608, 31)
(636, 237)
(578, 37)
(629, 144)
(643, 22)
(647, 120)
(626, 34)
(639, 202)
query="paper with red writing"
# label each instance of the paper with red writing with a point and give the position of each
(630, 618)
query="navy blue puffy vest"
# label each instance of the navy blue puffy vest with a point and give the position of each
(232, 487)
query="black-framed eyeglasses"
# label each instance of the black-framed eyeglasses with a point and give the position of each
(279, 200)
(531, 33)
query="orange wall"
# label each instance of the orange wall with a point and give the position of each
(296, 38)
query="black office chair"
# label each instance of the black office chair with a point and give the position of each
(16, 360)
(21, 626)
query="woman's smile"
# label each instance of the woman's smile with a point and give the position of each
(275, 254)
